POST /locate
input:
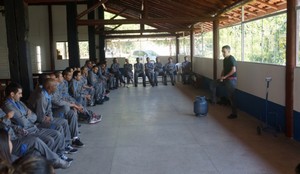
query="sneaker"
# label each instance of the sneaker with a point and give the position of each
(77, 143)
(232, 116)
(61, 164)
(99, 102)
(94, 120)
(99, 117)
(106, 98)
(65, 158)
(70, 150)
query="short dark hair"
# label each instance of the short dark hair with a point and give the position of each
(57, 73)
(66, 71)
(12, 87)
(75, 73)
(32, 164)
(227, 47)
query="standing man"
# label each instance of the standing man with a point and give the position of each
(186, 70)
(149, 71)
(228, 79)
(139, 71)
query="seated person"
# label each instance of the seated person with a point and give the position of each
(86, 88)
(79, 95)
(24, 118)
(149, 71)
(186, 67)
(106, 78)
(115, 70)
(40, 101)
(19, 143)
(94, 81)
(170, 70)
(139, 71)
(158, 70)
(128, 71)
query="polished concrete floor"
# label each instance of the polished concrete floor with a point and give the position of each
(154, 131)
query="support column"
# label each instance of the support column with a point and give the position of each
(91, 33)
(101, 36)
(216, 47)
(291, 55)
(51, 43)
(192, 40)
(177, 48)
(74, 57)
(16, 17)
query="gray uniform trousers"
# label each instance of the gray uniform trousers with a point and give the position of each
(53, 138)
(61, 125)
(70, 115)
(34, 145)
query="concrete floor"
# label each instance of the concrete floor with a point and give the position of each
(154, 131)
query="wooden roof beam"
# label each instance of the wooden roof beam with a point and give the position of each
(53, 2)
(146, 31)
(95, 6)
(146, 21)
(140, 36)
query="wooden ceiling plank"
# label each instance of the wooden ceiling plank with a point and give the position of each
(267, 4)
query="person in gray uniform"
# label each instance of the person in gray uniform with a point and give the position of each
(170, 70)
(25, 118)
(93, 80)
(149, 71)
(128, 71)
(23, 144)
(89, 90)
(41, 104)
(115, 70)
(186, 67)
(78, 94)
(158, 70)
(139, 71)
(106, 78)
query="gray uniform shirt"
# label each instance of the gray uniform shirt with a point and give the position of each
(21, 117)
(138, 68)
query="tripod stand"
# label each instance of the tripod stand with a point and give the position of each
(265, 126)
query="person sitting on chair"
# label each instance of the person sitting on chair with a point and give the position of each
(186, 67)
(139, 71)
(170, 70)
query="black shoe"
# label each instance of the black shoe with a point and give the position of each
(135, 85)
(65, 158)
(232, 116)
(99, 102)
(144, 85)
(106, 98)
(70, 150)
(173, 84)
(77, 143)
